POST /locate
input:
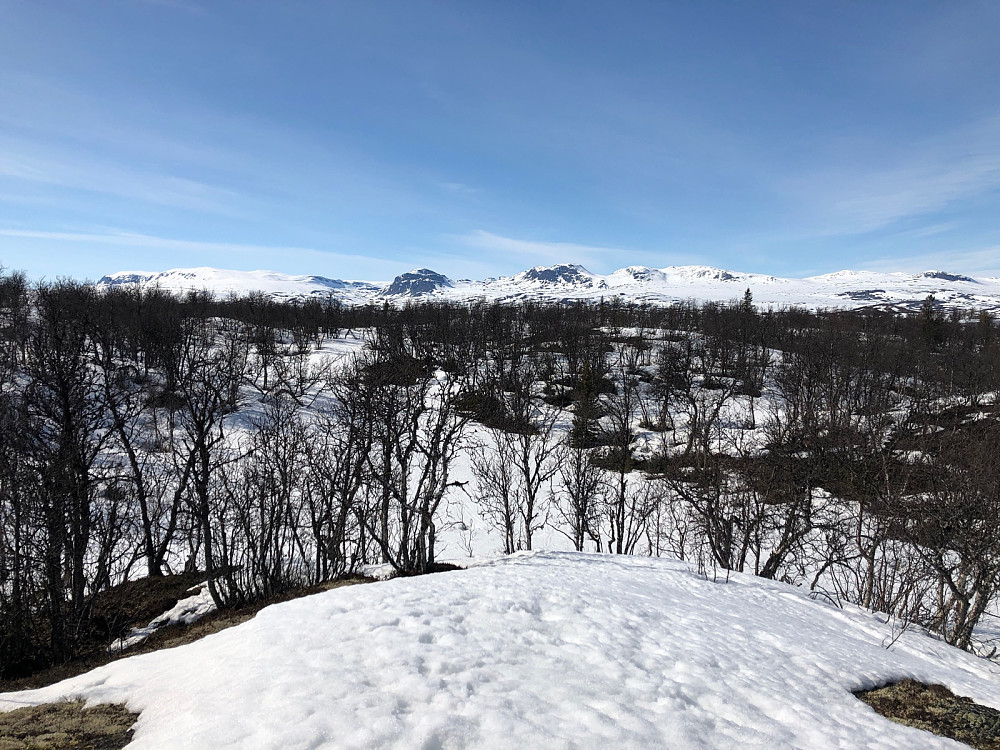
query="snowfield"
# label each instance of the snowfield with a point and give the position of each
(567, 282)
(537, 650)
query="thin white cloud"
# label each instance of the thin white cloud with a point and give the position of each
(170, 151)
(136, 239)
(899, 194)
(597, 258)
(183, 5)
(62, 120)
(927, 177)
(977, 262)
(594, 257)
(930, 230)
(72, 171)
(205, 251)
(460, 188)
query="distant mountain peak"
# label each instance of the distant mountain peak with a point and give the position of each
(702, 273)
(641, 274)
(125, 277)
(570, 282)
(416, 283)
(569, 274)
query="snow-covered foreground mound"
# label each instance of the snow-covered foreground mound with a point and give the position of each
(542, 650)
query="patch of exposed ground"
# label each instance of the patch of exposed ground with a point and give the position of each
(121, 607)
(934, 708)
(61, 726)
(114, 613)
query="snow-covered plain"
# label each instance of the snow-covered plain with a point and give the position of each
(562, 282)
(539, 650)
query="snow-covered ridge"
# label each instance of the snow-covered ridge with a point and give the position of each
(547, 650)
(564, 274)
(563, 282)
(223, 282)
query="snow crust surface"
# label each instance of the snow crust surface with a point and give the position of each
(537, 650)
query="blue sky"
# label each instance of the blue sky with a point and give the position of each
(362, 139)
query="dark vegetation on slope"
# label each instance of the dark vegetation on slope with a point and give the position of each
(145, 435)
(934, 708)
(113, 613)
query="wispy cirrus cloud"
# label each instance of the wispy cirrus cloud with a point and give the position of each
(460, 188)
(201, 252)
(595, 257)
(182, 5)
(136, 239)
(72, 171)
(921, 179)
(885, 198)
(984, 261)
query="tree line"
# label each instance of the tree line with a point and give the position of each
(146, 433)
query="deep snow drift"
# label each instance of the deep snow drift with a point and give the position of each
(543, 650)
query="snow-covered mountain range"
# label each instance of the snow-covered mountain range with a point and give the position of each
(567, 282)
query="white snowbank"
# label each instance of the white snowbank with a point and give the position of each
(545, 650)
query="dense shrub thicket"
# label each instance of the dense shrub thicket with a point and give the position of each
(143, 433)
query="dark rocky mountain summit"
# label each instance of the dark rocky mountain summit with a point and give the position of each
(563, 273)
(565, 282)
(416, 283)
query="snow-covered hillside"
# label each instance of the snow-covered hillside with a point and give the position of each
(543, 650)
(844, 289)
(223, 282)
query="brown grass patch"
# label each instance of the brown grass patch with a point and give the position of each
(59, 726)
(934, 708)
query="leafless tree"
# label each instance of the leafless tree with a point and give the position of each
(515, 463)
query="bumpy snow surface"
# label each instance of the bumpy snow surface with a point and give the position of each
(545, 650)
